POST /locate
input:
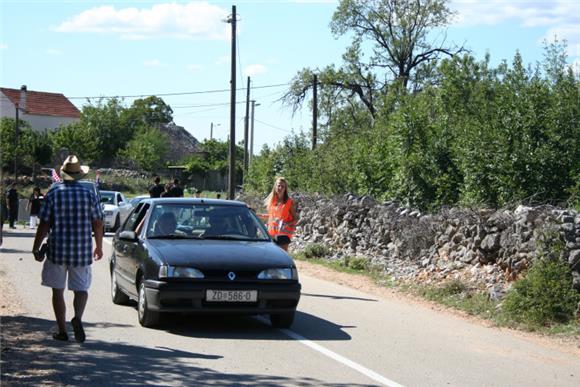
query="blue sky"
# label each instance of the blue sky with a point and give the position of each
(130, 48)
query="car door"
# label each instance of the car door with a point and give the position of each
(124, 207)
(126, 249)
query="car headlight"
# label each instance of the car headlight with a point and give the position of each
(179, 272)
(279, 274)
(108, 212)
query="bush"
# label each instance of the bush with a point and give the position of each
(356, 263)
(316, 251)
(545, 295)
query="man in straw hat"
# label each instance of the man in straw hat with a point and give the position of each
(70, 213)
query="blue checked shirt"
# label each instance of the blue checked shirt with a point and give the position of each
(70, 209)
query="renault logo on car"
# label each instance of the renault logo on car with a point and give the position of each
(232, 275)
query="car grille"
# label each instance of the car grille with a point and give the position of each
(222, 275)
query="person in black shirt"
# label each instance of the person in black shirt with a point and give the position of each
(12, 200)
(156, 189)
(33, 206)
(176, 191)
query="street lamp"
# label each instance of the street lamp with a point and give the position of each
(211, 130)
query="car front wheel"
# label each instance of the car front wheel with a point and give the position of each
(147, 318)
(282, 320)
(117, 294)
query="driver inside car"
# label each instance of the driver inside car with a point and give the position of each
(165, 225)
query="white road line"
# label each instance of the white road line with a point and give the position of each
(339, 358)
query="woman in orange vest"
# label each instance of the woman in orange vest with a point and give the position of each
(282, 215)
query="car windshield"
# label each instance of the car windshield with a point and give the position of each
(109, 196)
(136, 200)
(205, 221)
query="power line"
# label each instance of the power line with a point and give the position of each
(180, 93)
(273, 126)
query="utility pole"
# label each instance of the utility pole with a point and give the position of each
(211, 130)
(16, 134)
(232, 152)
(254, 104)
(314, 110)
(246, 119)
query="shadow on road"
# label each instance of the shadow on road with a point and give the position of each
(251, 328)
(31, 357)
(337, 297)
(18, 234)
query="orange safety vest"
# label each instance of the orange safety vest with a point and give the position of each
(279, 219)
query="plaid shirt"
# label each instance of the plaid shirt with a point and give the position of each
(69, 209)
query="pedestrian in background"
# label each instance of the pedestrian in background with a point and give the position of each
(71, 212)
(167, 191)
(176, 190)
(157, 188)
(33, 206)
(12, 202)
(282, 216)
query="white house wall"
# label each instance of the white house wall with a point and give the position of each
(37, 122)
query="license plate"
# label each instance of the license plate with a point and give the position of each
(231, 295)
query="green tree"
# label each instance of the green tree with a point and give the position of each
(77, 139)
(148, 149)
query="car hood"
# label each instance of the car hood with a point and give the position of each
(110, 207)
(221, 255)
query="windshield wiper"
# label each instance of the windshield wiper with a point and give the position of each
(225, 237)
(174, 236)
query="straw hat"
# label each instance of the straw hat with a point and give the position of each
(72, 169)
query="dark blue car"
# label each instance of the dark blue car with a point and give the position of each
(201, 256)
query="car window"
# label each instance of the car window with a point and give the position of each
(136, 217)
(109, 196)
(206, 221)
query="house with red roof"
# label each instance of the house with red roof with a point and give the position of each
(42, 110)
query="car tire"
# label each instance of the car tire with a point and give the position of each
(282, 320)
(147, 318)
(117, 295)
(117, 224)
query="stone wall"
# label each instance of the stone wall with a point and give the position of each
(484, 247)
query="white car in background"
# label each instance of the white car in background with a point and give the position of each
(116, 208)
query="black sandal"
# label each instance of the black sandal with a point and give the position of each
(78, 329)
(60, 336)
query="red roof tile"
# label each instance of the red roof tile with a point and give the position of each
(44, 104)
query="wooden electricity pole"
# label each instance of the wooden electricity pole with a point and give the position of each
(232, 150)
(314, 111)
(246, 120)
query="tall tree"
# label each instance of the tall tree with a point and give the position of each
(404, 51)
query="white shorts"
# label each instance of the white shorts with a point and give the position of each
(55, 276)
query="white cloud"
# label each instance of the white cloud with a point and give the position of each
(194, 67)
(3, 46)
(254, 69)
(200, 20)
(528, 13)
(152, 63)
(561, 18)
(53, 52)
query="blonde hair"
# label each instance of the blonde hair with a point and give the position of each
(272, 198)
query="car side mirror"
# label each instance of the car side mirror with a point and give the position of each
(128, 236)
(281, 240)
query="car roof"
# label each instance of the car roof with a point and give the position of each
(106, 191)
(221, 202)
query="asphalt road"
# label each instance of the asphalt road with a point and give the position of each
(341, 337)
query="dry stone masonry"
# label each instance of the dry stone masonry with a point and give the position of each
(483, 247)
